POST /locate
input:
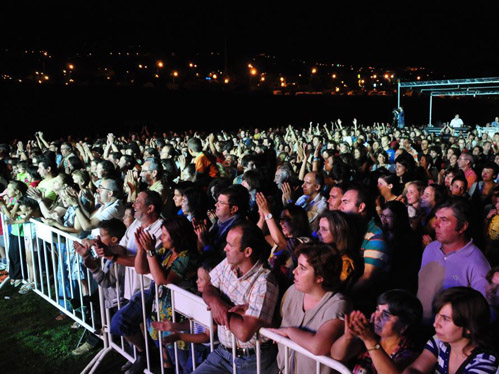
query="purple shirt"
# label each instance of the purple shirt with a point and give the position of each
(465, 267)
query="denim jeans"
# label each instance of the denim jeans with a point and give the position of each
(220, 361)
(126, 321)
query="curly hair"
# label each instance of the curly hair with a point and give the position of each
(326, 262)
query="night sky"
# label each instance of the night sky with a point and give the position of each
(445, 37)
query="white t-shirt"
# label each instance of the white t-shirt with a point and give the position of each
(132, 279)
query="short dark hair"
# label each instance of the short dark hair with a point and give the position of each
(195, 145)
(115, 227)
(254, 178)
(252, 236)
(153, 198)
(404, 305)
(32, 170)
(462, 210)
(462, 179)
(49, 162)
(238, 196)
(326, 262)
(29, 202)
(470, 311)
(491, 165)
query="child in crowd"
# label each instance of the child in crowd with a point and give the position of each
(28, 208)
(200, 336)
(105, 273)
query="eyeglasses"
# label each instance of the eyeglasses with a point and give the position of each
(285, 219)
(385, 216)
(104, 188)
(222, 202)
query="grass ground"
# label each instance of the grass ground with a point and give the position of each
(32, 341)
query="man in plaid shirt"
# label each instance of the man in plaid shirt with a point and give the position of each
(242, 297)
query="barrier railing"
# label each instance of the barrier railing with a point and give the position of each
(290, 345)
(51, 253)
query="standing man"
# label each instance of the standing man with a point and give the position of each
(126, 322)
(456, 122)
(242, 297)
(452, 259)
(465, 163)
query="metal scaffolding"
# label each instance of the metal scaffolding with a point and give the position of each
(452, 87)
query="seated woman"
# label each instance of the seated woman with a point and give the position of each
(175, 263)
(461, 343)
(384, 345)
(312, 310)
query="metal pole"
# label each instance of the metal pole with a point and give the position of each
(398, 94)
(431, 105)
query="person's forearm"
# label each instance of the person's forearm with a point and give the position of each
(210, 294)
(342, 349)
(159, 273)
(194, 338)
(309, 341)
(241, 328)
(381, 361)
(141, 264)
(276, 233)
(303, 168)
(83, 219)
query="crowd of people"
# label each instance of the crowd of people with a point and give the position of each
(375, 245)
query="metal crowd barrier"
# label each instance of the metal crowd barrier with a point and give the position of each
(46, 246)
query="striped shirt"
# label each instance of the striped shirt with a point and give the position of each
(257, 289)
(374, 248)
(478, 362)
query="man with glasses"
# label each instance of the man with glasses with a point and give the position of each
(231, 208)
(110, 206)
(66, 152)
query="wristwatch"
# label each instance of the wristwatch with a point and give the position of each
(151, 253)
(268, 216)
(375, 348)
